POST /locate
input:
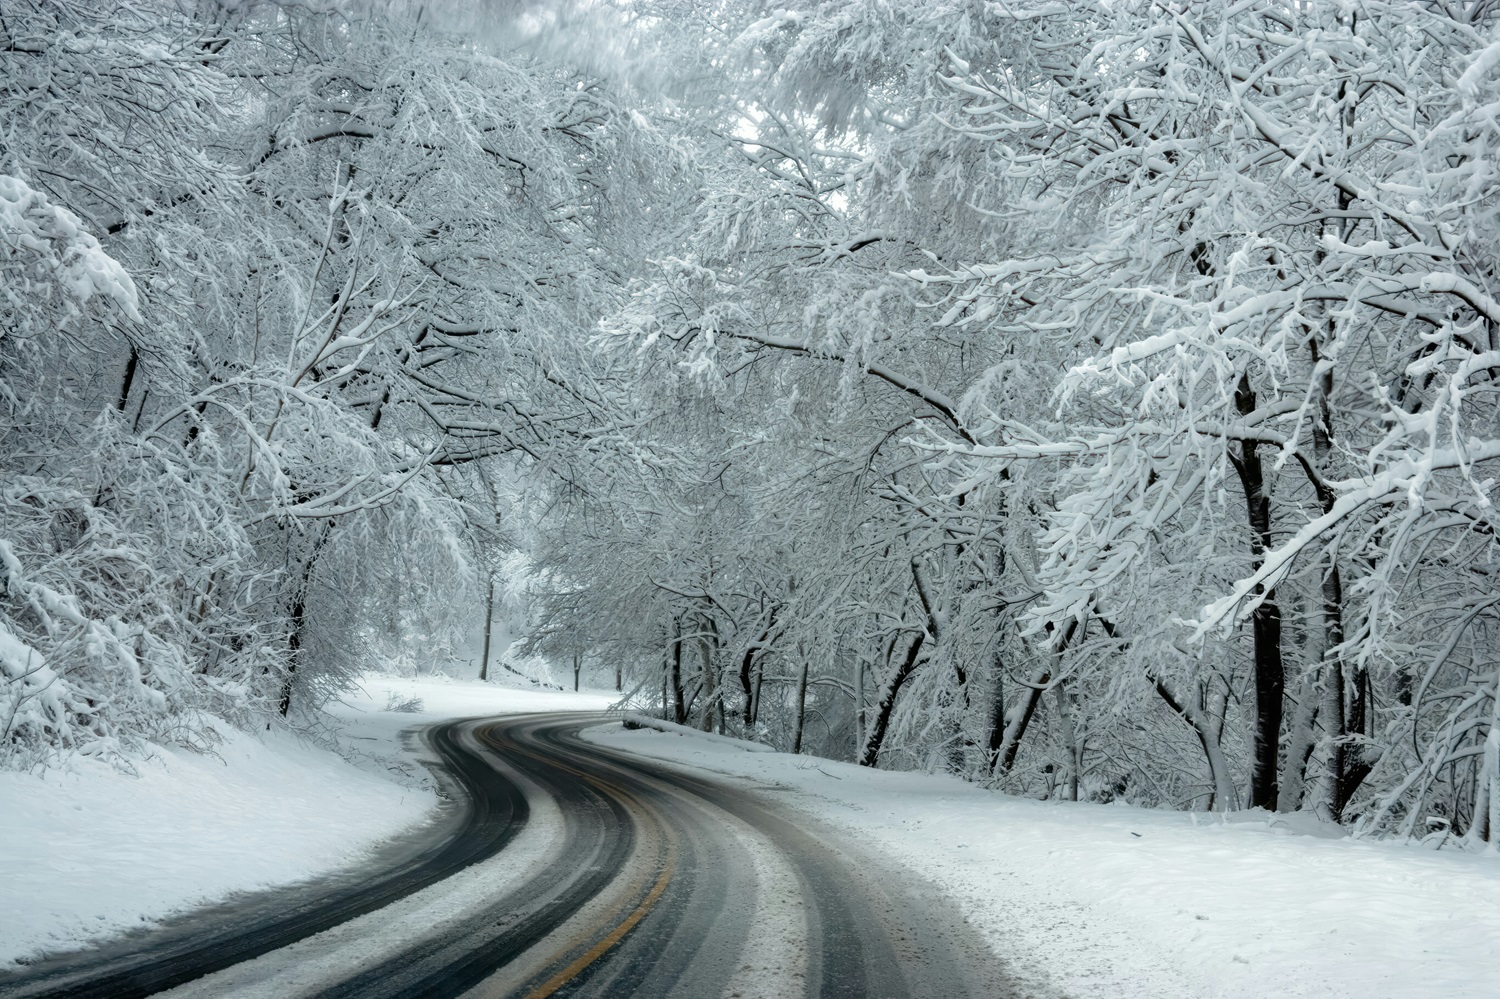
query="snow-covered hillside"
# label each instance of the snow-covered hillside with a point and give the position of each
(90, 851)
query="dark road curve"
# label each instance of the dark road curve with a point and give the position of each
(653, 885)
(489, 811)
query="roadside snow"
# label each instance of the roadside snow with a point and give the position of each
(88, 852)
(1109, 901)
(443, 697)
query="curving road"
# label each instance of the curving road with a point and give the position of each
(569, 870)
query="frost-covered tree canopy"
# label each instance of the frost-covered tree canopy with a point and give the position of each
(1095, 400)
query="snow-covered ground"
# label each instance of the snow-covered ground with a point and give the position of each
(1087, 900)
(1112, 901)
(87, 852)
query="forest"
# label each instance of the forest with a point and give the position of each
(1098, 400)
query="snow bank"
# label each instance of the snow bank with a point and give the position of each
(1109, 901)
(635, 719)
(89, 852)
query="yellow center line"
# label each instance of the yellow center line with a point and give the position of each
(614, 936)
(567, 974)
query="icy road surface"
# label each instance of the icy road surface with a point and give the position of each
(575, 871)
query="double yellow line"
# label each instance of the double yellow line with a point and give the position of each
(613, 937)
(639, 912)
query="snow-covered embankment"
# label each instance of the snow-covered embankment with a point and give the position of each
(89, 852)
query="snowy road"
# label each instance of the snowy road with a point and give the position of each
(576, 871)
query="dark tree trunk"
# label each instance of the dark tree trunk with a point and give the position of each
(1072, 740)
(1348, 716)
(1008, 729)
(746, 662)
(1012, 742)
(140, 410)
(1347, 708)
(887, 702)
(801, 707)
(489, 620)
(760, 677)
(679, 709)
(298, 615)
(749, 675)
(711, 691)
(1265, 622)
(129, 379)
(997, 705)
(995, 740)
(1343, 716)
(893, 684)
(294, 649)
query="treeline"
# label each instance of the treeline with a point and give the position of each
(1095, 400)
(281, 286)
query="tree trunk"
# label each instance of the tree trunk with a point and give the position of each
(747, 666)
(1003, 619)
(1011, 726)
(294, 650)
(997, 712)
(1269, 674)
(886, 701)
(859, 706)
(1225, 798)
(1335, 700)
(1349, 716)
(679, 709)
(298, 614)
(140, 410)
(801, 707)
(1071, 741)
(760, 677)
(1344, 715)
(1487, 787)
(891, 689)
(1016, 724)
(1302, 737)
(666, 669)
(577, 669)
(128, 380)
(747, 663)
(710, 685)
(489, 621)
